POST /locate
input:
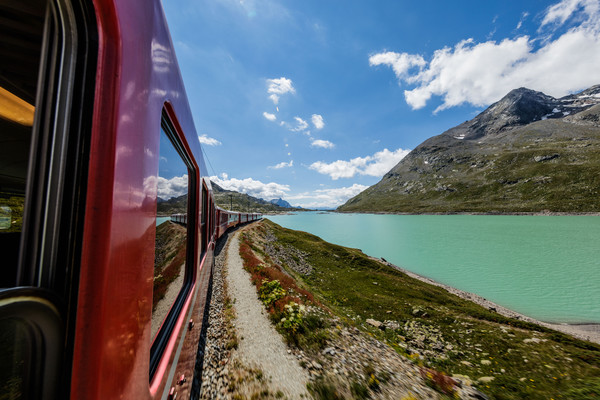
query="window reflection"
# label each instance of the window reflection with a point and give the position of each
(171, 231)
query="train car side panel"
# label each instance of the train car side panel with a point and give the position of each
(137, 74)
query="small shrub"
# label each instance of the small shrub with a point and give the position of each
(438, 381)
(293, 318)
(232, 344)
(374, 383)
(270, 291)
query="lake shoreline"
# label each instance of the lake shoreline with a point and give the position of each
(537, 213)
(583, 331)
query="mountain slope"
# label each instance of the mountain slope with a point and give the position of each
(528, 152)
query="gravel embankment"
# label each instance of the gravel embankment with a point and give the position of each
(261, 346)
(215, 362)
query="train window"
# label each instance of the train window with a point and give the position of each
(175, 222)
(203, 217)
(46, 101)
(21, 54)
(171, 243)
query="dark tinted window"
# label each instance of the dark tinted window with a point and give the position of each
(21, 31)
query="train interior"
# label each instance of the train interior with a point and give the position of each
(21, 36)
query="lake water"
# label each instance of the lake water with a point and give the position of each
(160, 220)
(546, 267)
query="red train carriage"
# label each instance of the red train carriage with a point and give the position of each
(92, 305)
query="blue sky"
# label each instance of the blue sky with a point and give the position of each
(315, 100)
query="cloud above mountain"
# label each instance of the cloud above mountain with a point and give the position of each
(376, 165)
(326, 198)
(479, 73)
(252, 187)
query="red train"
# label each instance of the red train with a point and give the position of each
(98, 298)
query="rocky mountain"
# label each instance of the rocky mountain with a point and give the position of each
(175, 205)
(529, 152)
(280, 202)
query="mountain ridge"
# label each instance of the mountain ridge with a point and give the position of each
(280, 202)
(518, 155)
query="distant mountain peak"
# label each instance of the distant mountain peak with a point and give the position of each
(520, 107)
(280, 202)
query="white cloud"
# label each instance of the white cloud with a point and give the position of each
(269, 116)
(300, 125)
(204, 139)
(282, 164)
(174, 187)
(559, 13)
(317, 121)
(376, 165)
(523, 17)
(401, 63)
(326, 198)
(253, 187)
(481, 73)
(326, 144)
(278, 87)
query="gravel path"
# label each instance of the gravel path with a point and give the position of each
(211, 379)
(260, 344)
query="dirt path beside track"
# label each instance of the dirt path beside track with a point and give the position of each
(260, 346)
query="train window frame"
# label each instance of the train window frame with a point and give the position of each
(54, 208)
(163, 335)
(203, 221)
(51, 237)
(41, 335)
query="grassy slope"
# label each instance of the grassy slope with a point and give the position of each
(168, 258)
(553, 365)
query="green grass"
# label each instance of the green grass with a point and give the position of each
(356, 287)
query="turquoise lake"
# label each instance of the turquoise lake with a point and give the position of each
(160, 220)
(546, 267)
